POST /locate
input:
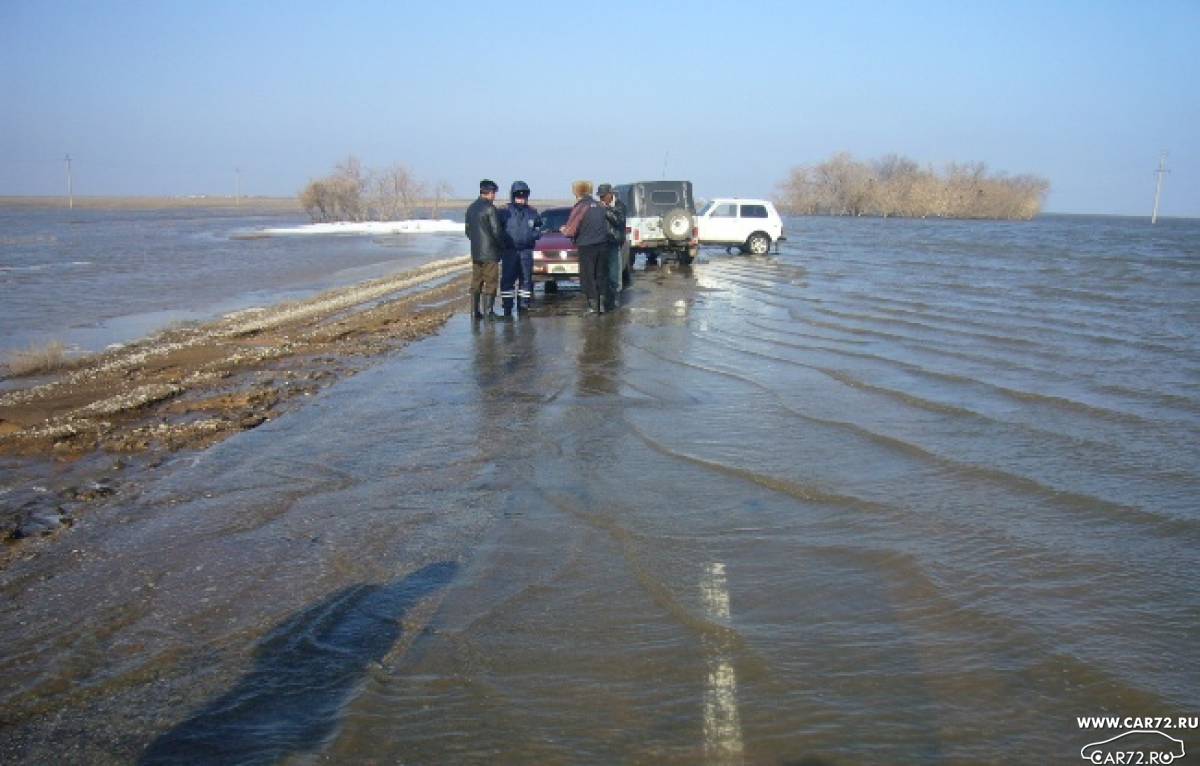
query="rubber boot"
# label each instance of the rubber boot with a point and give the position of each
(508, 308)
(476, 314)
(489, 306)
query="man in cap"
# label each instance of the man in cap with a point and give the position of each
(487, 245)
(614, 214)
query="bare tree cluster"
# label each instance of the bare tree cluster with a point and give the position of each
(897, 186)
(352, 193)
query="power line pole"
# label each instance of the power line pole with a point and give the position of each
(1162, 168)
(70, 191)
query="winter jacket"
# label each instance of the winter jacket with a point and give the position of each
(615, 218)
(522, 226)
(484, 231)
(587, 225)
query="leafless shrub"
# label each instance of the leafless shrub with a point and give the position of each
(352, 193)
(395, 192)
(897, 186)
(35, 360)
(440, 193)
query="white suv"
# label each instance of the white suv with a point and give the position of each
(749, 224)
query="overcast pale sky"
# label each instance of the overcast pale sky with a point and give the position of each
(168, 98)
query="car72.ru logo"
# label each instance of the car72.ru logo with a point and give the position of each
(1136, 747)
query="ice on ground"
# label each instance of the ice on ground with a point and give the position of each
(413, 226)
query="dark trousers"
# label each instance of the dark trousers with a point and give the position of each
(510, 272)
(615, 266)
(593, 270)
(516, 266)
(526, 289)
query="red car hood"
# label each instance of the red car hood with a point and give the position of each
(553, 240)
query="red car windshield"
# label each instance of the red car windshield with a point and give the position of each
(555, 218)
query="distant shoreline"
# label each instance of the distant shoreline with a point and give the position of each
(246, 204)
(273, 204)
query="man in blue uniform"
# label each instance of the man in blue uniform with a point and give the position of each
(522, 227)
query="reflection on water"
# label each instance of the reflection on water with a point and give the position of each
(304, 672)
(907, 492)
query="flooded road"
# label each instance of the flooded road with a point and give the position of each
(906, 492)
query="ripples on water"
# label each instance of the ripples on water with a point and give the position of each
(947, 471)
(94, 277)
(907, 492)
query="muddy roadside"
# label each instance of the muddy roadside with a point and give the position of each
(92, 429)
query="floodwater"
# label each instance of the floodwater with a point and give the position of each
(90, 278)
(905, 492)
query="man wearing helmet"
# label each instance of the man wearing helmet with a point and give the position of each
(522, 227)
(487, 244)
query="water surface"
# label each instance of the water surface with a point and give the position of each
(907, 492)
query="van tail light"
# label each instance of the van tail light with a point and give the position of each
(695, 232)
(637, 235)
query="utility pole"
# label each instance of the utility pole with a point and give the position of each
(1162, 168)
(237, 200)
(70, 191)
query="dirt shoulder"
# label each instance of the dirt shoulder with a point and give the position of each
(192, 387)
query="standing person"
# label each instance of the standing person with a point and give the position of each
(614, 214)
(522, 227)
(587, 227)
(487, 243)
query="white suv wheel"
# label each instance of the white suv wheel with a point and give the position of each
(758, 243)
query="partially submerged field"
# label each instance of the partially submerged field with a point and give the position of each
(193, 386)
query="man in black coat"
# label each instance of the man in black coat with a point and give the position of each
(487, 244)
(614, 214)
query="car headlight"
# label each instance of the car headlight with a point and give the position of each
(538, 255)
(564, 254)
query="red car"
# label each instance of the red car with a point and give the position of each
(555, 256)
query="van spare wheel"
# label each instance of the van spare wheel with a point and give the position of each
(677, 224)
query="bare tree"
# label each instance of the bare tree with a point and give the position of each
(440, 193)
(396, 191)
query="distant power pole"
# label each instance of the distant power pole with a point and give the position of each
(237, 199)
(70, 191)
(1162, 168)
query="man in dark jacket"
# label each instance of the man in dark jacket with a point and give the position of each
(614, 214)
(522, 227)
(487, 244)
(587, 227)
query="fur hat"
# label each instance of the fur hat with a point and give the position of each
(581, 188)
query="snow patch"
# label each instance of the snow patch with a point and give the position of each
(414, 226)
